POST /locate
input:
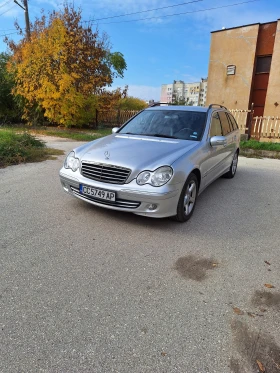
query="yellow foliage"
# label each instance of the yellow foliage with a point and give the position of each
(63, 69)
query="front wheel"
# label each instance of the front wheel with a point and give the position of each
(232, 171)
(187, 200)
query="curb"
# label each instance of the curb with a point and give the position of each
(256, 153)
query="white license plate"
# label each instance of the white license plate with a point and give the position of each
(97, 193)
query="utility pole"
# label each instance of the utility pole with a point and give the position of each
(27, 24)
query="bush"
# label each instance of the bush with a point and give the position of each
(20, 148)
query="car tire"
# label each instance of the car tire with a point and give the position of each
(233, 167)
(187, 200)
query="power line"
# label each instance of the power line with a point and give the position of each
(7, 2)
(8, 29)
(178, 14)
(7, 10)
(145, 11)
(9, 34)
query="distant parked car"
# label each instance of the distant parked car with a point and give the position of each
(157, 163)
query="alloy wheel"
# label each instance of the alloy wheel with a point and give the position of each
(190, 197)
(234, 163)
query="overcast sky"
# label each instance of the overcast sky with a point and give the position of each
(162, 47)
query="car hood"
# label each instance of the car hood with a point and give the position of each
(134, 152)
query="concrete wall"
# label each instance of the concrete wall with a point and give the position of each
(273, 91)
(232, 47)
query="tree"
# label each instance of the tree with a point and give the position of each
(132, 103)
(178, 101)
(181, 101)
(65, 68)
(8, 106)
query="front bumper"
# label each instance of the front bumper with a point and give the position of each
(157, 202)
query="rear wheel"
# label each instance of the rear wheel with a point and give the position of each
(187, 200)
(232, 171)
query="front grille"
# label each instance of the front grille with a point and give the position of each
(118, 203)
(105, 172)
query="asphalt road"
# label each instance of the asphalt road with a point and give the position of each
(85, 289)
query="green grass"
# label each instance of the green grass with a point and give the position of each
(21, 148)
(74, 134)
(78, 136)
(256, 145)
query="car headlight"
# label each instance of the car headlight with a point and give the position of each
(156, 178)
(72, 162)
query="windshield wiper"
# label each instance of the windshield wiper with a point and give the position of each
(128, 133)
(148, 134)
(137, 134)
(161, 135)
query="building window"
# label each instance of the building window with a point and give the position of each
(231, 69)
(263, 64)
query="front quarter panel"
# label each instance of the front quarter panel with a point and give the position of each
(187, 163)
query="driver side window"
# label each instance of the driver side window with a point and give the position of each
(216, 128)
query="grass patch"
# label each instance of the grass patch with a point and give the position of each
(256, 145)
(73, 134)
(22, 148)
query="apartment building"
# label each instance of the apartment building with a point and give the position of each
(188, 93)
(244, 68)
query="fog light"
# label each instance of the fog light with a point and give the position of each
(65, 187)
(152, 206)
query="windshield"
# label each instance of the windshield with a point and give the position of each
(177, 124)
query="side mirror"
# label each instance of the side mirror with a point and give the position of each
(218, 140)
(115, 129)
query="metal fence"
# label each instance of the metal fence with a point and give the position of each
(113, 118)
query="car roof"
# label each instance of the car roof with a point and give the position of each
(181, 108)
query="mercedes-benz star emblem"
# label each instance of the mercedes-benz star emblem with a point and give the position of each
(107, 155)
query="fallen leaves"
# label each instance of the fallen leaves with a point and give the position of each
(238, 311)
(261, 367)
(269, 286)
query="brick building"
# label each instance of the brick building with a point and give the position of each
(244, 68)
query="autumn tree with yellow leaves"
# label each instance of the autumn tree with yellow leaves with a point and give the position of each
(65, 68)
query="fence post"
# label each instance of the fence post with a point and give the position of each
(250, 121)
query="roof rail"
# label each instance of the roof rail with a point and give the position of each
(221, 106)
(158, 104)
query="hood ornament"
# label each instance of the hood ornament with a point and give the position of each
(107, 155)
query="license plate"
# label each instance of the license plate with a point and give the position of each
(97, 193)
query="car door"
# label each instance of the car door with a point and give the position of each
(235, 130)
(228, 132)
(213, 165)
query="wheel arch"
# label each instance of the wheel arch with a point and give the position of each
(197, 173)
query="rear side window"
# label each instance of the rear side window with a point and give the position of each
(216, 128)
(232, 121)
(225, 123)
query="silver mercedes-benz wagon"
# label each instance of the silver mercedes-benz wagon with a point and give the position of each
(157, 163)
